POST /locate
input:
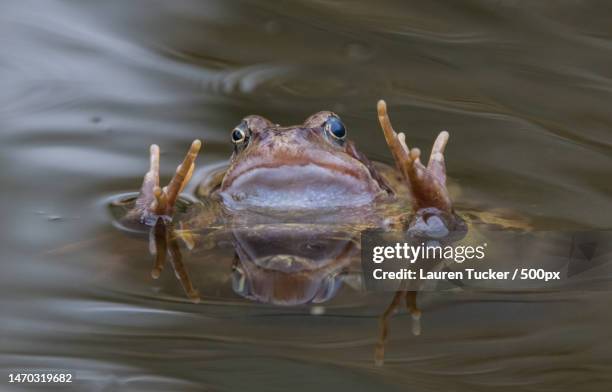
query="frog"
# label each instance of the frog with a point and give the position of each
(308, 168)
(294, 200)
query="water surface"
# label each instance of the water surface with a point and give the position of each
(523, 87)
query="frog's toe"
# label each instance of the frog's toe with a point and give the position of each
(395, 141)
(437, 165)
(150, 185)
(183, 173)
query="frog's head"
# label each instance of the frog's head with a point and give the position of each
(307, 166)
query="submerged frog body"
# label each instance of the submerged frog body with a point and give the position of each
(294, 201)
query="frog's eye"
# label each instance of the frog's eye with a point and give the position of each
(240, 134)
(334, 126)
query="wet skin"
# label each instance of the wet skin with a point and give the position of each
(293, 201)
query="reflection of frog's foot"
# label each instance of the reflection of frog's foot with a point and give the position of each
(379, 351)
(411, 296)
(415, 312)
(427, 184)
(163, 242)
(154, 201)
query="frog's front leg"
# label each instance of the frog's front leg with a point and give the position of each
(427, 184)
(155, 202)
(434, 216)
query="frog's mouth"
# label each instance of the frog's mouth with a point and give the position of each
(300, 185)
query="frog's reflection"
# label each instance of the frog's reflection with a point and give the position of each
(291, 265)
(286, 264)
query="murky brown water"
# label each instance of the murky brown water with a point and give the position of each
(523, 87)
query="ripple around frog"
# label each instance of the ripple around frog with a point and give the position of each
(119, 205)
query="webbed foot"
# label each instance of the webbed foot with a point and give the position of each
(427, 184)
(153, 201)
